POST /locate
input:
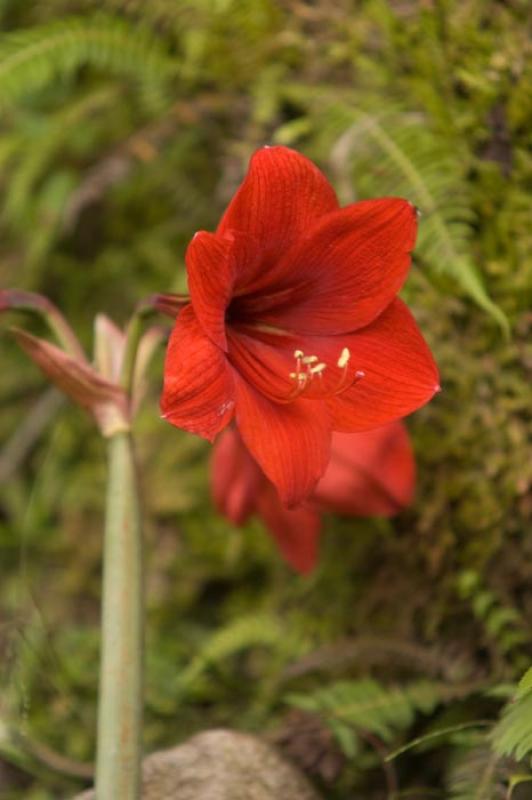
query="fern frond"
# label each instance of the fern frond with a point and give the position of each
(503, 624)
(413, 161)
(31, 59)
(365, 705)
(37, 151)
(477, 774)
(512, 736)
(240, 635)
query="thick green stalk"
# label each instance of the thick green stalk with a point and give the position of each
(120, 698)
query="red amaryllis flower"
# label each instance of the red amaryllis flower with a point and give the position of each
(293, 327)
(369, 474)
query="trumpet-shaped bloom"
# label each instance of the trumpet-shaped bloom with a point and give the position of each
(293, 327)
(369, 474)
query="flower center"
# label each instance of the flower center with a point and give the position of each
(310, 369)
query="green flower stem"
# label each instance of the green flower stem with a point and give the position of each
(120, 698)
(134, 334)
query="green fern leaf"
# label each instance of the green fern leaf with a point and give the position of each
(366, 705)
(32, 59)
(502, 623)
(512, 735)
(525, 684)
(240, 635)
(37, 150)
(476, 774)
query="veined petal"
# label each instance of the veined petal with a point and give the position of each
(343, 273)
(296, 531)
(215, 263)
(198, 392)
(370, 473)
(268, 360)
(282, 194)
(289, 442)
(235, 478)
(239, 488)
(368, 378)
(264, 361)
(400, 374)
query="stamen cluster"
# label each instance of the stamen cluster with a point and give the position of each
(308, 367)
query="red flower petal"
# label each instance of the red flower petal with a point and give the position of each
(235, 478)
(214, 265)
(264, 360)
(282, 194)
(396, 371)
(289, 442)
(400, 373)
(267, 360)
(344, 273)
(370, 473)
(296, 531)
(198, 393)
(239, 488)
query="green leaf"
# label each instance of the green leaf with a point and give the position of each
(240, 635)
(512, 735)
(442, 733)
(31, 59)
(476, 774)
(366, 705)
(525, 684)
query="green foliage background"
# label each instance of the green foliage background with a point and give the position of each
(125, 127)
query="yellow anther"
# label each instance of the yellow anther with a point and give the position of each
(308, 367)
(343, 361)
(318, 368)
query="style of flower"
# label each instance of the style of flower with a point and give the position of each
(293, 327)
(369, 474)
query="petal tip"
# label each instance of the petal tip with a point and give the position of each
(415, 209)
(306, 569)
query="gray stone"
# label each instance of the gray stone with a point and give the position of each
(220, 765)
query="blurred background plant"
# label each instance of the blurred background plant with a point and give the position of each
(125, 127)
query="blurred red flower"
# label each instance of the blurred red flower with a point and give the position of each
(369, 474)
(293, 326)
